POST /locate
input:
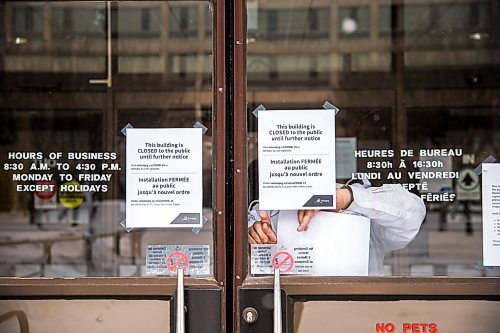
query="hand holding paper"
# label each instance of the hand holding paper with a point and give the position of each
(304, 217)
(343, 201)
(261, 232)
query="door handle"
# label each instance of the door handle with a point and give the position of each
(277, 302)
(107, 81)
(179, 327)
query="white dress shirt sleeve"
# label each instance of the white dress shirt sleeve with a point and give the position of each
(395, 213)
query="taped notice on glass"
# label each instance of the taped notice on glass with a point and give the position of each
(298, 260)
(164, 178)
(167, 259)
(297, 159)
(491, 214)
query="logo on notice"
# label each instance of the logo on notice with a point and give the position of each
(319, 201)
(187, 218)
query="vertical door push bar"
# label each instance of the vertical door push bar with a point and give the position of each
(180, 327)
(277, 302)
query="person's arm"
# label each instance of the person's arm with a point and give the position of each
(261, 232)
(260, 228)
(396, 214)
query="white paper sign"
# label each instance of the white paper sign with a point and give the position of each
(299, 259)
(167, 259)
(297, 159)
(164, 178)
(341, 241)
(491, 214)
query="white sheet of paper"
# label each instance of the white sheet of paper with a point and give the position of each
(341, 241)
(297, 159)
(164, 178)
(491, 214)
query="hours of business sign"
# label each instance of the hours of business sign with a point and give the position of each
(423, 168)
(39, 172)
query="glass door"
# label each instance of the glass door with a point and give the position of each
(77, 77)
(414, 85)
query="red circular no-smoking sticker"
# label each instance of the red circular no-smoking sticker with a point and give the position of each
(283, 261)
(177, 260)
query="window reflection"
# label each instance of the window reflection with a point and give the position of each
(139, 22)
(161, 69)
(78, 23)
(283, 24)
(28, 21)
(354, 21)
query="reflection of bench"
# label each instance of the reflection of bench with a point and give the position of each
(21, 318)
(47, 244)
